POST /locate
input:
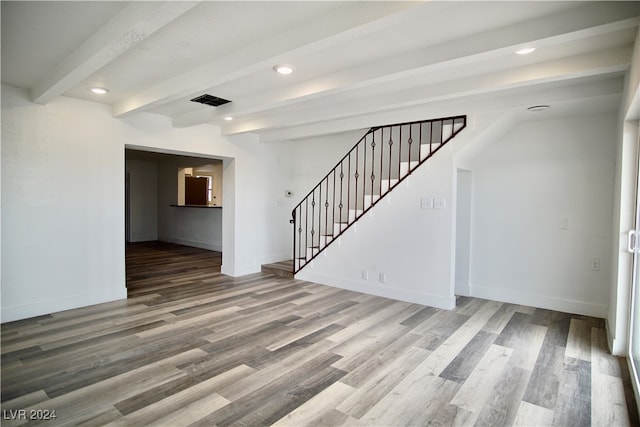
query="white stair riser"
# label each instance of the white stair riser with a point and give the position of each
(405, 167)
(370, 199)
(338, 228)
(353, 214)
(387, 184)
(425, 151)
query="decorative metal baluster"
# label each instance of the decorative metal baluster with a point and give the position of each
(326, 214)
(400, 153)
(381, 158)
(333, 205)
(420, 146)
(319, 215)
(364, 171)
(303, 231)
(373, 162)
(390, 155)
(430, 137)
(410, 141)
(294, 221)
(341, 199)
(348, 188)
(356, 175)
(306, 228)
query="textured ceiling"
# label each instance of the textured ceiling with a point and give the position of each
(357, 64)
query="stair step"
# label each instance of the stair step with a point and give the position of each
(353, 214)
(387, 184)
(338, 227)
(281, 269)
(325, 239)
(425, 150)
(447, 131)
(370, 199)
(405, 167)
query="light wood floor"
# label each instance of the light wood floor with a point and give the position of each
(194, 347)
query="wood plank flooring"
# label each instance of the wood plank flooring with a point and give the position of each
(150, 263)
(193, 347)
(282, 269)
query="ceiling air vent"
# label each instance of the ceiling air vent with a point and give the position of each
(207, 99)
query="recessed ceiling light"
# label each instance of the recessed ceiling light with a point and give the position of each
(99, 90)
(283, 69)
(228, 118)
(525, 51)
(538, 108)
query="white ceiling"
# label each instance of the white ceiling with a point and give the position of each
(357, 64)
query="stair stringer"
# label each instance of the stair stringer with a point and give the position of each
(382, 242)
(413, 247)
(350, 189)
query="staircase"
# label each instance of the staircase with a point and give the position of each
(381, 159)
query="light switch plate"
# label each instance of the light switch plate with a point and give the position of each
(439, 203)
(426, 203)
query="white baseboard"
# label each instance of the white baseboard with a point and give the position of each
(463, 289)
(431, 300)
(539, 301)
(212, 246)
(143, 238)
(26, 311)
(617, 345)
(237, 271)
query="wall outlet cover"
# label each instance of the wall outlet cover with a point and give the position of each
(426, 203)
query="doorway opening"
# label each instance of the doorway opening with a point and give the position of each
(167, 239)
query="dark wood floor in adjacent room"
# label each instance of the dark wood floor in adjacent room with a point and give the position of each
(194, 347)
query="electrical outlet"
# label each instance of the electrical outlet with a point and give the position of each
(595, 264)
(365, 275)
(382, 277)
(439, 203)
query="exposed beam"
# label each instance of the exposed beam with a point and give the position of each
(494, 44)
(601, 63)
(320, 33)
(509, 100)
(137, 21)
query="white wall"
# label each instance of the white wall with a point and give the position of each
(63, 199)
(143, 200)
(542, 212)
(526, 179)
(63, 214)
(412, 247)
(198, 227)
(463, 230)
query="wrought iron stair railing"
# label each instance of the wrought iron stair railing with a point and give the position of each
(381, 159)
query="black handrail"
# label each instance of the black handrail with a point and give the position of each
(399, 163)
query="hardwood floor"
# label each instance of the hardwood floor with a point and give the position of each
(153, 263)
(194, 347)
(282, 269)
